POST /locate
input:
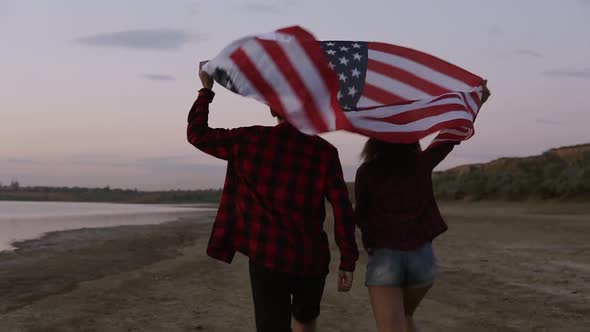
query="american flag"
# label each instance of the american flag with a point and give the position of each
(379, 90)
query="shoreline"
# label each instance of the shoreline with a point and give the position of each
(21, 221)
(58, 236)
(504, 267)
(37, 266)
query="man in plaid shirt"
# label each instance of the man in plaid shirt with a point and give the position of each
(272, 210)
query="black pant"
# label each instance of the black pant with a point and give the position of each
(278, 296)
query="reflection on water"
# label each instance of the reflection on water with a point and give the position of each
(27, 220)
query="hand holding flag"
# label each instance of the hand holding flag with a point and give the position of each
(206, 79)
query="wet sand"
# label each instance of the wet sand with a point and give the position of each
(28, 220)
(503, 267)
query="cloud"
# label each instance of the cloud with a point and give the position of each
(96, 160)
(585, 2)
(174, 164)
(167, 164)
(171, 163)
(495, 30)
(155, 39)
(193, 8)
(262, 8)
(99, 170)
(522, 52)
(265, 8)
(22, 161)
(551, 122)
(583, 73)
(159, 77)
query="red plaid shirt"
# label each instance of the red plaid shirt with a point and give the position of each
(395, 204)
(272, 208)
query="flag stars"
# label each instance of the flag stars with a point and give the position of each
(348, 61)
(342, 77)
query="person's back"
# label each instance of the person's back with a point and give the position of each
(395, 201)
(272, 210)
(281, 178)
(399, 218)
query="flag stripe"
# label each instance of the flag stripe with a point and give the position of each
(420, 70)
(390, 110)
(409, 78)
(366, 102)
(225, 62)
(304, 98)
(410, 136)
(456, 134)
(249, 70)
(464, 99)
(471, 105)
(429, 61)
(403, 90)
(309, 52)
(476, 100)
(425, 72)
(457, 131)
(314, 83)
(381, 96)
(421, 113)
(266, 66)
(449, 136)
(366, 122)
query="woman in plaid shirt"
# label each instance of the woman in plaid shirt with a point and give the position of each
(398, 216)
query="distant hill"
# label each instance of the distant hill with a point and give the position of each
(14, 192)
(561, 173)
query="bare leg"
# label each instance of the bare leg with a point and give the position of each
(307, 327)
(388, 308)
(412, 298)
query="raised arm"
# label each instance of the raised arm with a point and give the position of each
(214, 141)
(438, 152)
(433, 155)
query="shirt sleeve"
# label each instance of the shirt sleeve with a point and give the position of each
(434, 154)
(213, 141)
(344, 225)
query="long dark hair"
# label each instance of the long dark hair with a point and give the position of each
(380, 151)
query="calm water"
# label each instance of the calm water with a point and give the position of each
(28, 220)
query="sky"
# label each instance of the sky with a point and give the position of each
(96, 93)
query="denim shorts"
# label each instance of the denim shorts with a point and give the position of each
(401, 269)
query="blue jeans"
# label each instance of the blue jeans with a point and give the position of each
(401, 269)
